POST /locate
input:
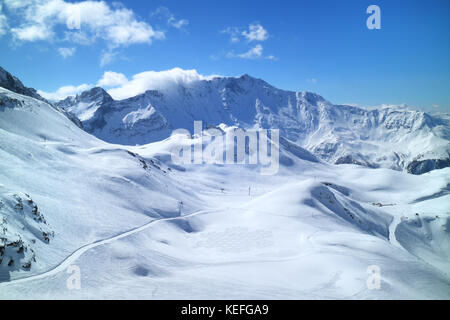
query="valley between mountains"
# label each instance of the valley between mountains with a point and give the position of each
(89, 182)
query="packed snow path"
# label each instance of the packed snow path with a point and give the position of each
(61, 267)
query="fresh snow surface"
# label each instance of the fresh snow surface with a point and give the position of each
(140, 227)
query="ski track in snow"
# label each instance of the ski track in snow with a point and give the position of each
(63, 265)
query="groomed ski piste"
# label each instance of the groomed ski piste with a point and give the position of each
(137, 226)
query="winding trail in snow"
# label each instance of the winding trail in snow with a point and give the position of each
(69, 260)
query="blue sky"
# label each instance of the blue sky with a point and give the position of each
(322, 46)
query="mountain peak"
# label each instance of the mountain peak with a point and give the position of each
(85, 104)
(96, 93)
(248, 78)
(8, 81)
(311, 97)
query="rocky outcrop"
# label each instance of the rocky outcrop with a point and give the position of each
(424, 166)
(13, 84)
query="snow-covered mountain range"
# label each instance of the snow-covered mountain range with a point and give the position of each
(383, 137)
(137, 226)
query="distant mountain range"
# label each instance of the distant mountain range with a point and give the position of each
(340, 134)
(383, 137)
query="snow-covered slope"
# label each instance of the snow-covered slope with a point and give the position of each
(54, 177)
(138, 226)
(383, 137)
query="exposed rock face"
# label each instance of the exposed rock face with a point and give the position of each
(23, 229)
(424, 166)
(13, 84)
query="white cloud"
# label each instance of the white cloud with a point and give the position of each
(164, 13)
(107, 57)
(233, 32)
(312, 80)
(122, 88)
(67, 52)
(78, 37)
(3, 22)
(32, 33)
(117, 25)
(64, 92)
(256, 32)
(157, 80)
(178, 23)
(112, 79)
(3, 25)
(15, 4)
(254, 53)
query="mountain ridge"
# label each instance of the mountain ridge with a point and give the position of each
(12, 83)
(341, 134)
(338, 134)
